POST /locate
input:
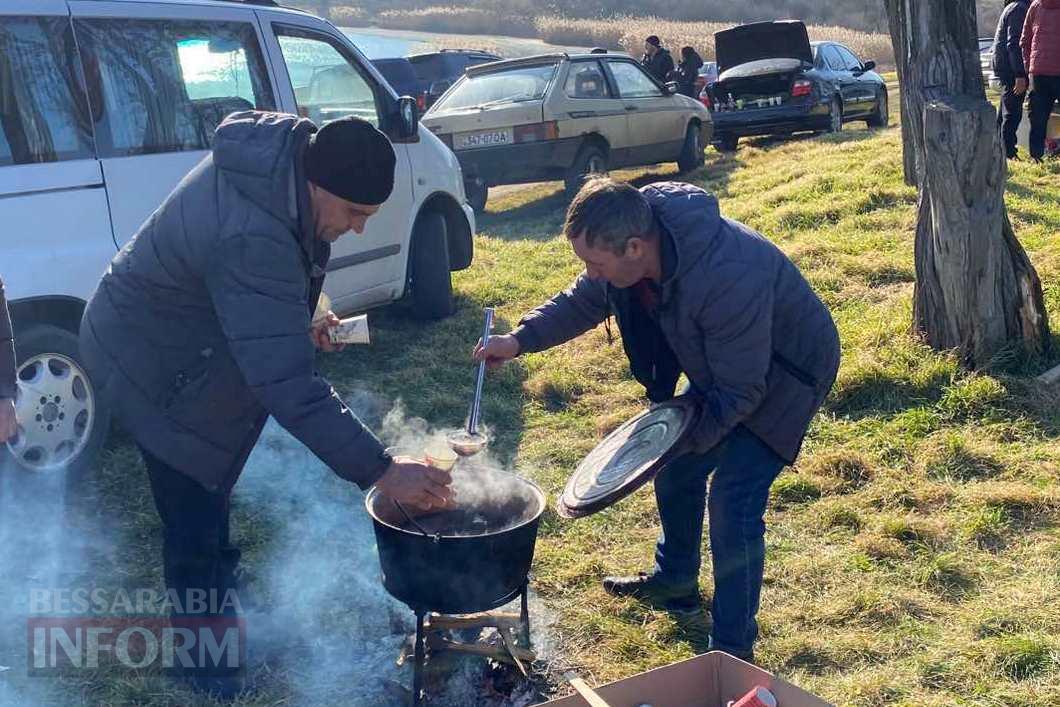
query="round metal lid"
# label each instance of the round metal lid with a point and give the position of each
(627, 458)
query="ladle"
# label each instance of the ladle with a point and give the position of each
(470, 441)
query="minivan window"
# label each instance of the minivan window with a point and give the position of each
(165, 85)
(327, 84)
(514, 85)
(43, 116)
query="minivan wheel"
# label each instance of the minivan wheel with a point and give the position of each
(430, 280)
(477, 194)
(591, 159)
(835, 116)
(62, 422)
(881, 116)
(727, 142)
(692, 151)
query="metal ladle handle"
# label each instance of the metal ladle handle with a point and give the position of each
(476, 402)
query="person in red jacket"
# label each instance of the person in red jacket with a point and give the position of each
(1041, 55)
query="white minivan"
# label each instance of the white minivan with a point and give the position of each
(106, 104)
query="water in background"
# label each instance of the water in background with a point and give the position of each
(376, 46)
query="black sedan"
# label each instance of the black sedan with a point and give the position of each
(773, 81)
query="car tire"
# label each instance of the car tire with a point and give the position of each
(835, 116)
(591, 159)
(881, 116)
(430, 280)
(64, 422)
(727, 142)
(692, 151)
(477, 194)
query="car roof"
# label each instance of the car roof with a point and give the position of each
(442, 52)
(539, 60)
(250, 4)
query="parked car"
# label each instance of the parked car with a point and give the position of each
(402, 77)
(107, 105)
(563, 116)
(437, 71)
(986, 60)
(773, 81)
(708, 74)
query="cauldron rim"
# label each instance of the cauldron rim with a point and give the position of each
(372, 494)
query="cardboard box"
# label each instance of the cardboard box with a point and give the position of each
(708, 680)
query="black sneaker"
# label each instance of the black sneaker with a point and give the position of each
(683, 597)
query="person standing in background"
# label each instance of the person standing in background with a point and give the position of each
(657, 60)
(1009, 69)
(8, 373)
(1041, 55)
(687, 72)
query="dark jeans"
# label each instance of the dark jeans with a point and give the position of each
(1045, 92)
(1009, 116)
(742, 468)
(196, 553)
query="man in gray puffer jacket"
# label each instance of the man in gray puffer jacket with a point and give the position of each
(697, 293)
(202, 327)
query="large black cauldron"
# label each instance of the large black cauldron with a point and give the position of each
(476, 556)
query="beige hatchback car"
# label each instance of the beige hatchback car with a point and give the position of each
(563, 116)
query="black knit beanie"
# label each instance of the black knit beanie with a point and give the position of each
(653, 40)
(352, 160)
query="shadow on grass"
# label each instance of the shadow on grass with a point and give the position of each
(873, 395)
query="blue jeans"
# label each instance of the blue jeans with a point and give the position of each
(742, 468)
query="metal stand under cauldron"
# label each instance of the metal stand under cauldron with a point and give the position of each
(431, 639)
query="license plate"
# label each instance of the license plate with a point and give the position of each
(482, 138)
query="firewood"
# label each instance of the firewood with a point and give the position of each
(440, 622)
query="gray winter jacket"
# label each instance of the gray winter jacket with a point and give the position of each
(200, 327)
(758, 346)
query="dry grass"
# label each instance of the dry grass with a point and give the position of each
(626, 33)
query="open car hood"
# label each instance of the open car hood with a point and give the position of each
(785, 39)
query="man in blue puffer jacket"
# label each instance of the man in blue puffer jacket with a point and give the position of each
(201, 328)
(698, 294)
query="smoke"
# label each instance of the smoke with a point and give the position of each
(43, 544)
(319, 618)
(321, 628)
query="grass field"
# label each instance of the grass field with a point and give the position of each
(913, 553)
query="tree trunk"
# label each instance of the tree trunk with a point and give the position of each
(976, 290)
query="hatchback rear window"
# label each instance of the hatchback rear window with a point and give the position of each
(429, 67)
(397, 72)
(43, 113)
(514, 85)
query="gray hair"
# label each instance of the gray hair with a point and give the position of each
(610, 213)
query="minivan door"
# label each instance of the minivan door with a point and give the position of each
(160, 78)
(323, 78)
(53, 207)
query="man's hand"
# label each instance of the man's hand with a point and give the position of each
(498, 350)
(412, 482)
(8, 425)
(319, 333)
(1021, 86)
